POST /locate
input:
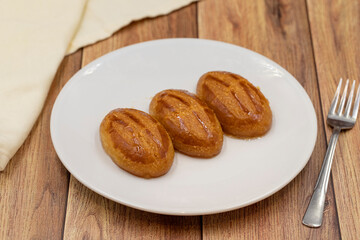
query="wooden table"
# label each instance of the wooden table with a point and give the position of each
(316, 41)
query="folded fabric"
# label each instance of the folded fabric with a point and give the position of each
(35, 36)
(103, 17)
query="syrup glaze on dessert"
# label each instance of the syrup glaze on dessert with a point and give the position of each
(241, 108)
(191, 124)
(137, 142)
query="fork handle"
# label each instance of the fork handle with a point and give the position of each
(314, 213)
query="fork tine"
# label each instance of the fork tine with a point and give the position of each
(349, 100)
(335, 99)
(343, 97)
(356, 103)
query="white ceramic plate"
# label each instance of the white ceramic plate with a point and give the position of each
(246, 171)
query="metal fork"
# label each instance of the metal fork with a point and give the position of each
(339, 120)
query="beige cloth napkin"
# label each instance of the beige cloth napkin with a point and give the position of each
(34, 37)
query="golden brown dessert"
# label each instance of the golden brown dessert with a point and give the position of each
(137, 143)
(191, 124)
(241, 108)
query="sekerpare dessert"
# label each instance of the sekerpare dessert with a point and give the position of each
(241, 108)
(137, 142)
(191, 124)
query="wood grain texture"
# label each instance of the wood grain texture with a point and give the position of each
(90, 216)
(335, 30)
(33, 187)
(280, 31)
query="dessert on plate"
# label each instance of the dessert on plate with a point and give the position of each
(137, 142)
(241, 108)
(191, 124)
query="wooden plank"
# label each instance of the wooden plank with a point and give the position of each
(335, 31)
(89, 214)
(280, 31)
(34, 185)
